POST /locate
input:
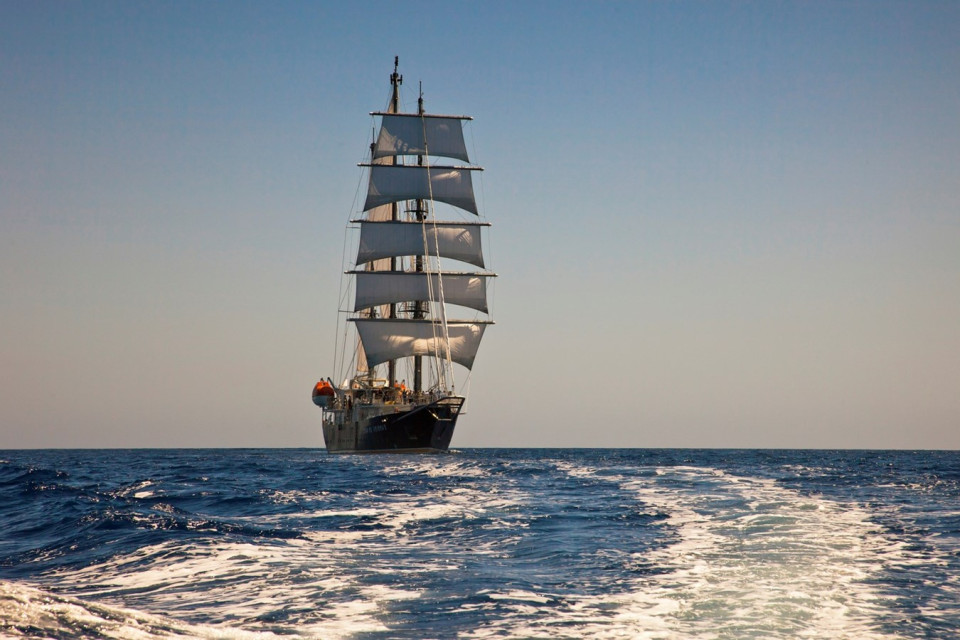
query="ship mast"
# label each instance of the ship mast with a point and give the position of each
(418, 306)
(395, 80)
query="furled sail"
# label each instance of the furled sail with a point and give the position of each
(413, 135)
(453, 240)
(385, 287)
(385, 339)
(394, 183)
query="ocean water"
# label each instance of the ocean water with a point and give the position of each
(481, 543)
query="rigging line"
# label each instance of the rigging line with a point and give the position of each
(344, 289)
(342, 296)
(443, 309)
(466, 390)
(345, 366)
(432, 297)
(345, 275)
(429, 278)
(357, 352)
(348, 330)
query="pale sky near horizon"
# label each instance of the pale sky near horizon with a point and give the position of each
(716, 224)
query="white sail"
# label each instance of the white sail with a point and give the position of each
(385, 340)
(382, 213)
(453, 240)
(385, 287)
(411, 135)
(394, 183)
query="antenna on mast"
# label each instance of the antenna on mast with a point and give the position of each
(395, 78)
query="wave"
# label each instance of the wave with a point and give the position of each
(28, 612)
(343, 574)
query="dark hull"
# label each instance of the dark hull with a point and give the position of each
(424, 428)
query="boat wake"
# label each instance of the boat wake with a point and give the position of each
(486, 546)
(746, 558)
(346, 572)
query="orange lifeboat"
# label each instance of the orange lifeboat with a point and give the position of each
(322, 394)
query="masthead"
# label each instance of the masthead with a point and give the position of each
(395, 78)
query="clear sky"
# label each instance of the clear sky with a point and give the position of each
(715, 224)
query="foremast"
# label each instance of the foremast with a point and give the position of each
(395, 81)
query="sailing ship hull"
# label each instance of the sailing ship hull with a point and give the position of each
(383, 428)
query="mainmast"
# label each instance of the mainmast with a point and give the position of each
(419, 306)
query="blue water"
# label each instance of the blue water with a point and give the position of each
(480, 543)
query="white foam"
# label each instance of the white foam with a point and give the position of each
(742, 557)
(236, 585)
(48, 615)
(519, 595)
(767, 562)
(137, 490)
(318, 584)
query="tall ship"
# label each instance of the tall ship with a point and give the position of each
(418, 287)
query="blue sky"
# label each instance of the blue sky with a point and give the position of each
(715, 224)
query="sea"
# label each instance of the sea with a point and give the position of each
(479, 543)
